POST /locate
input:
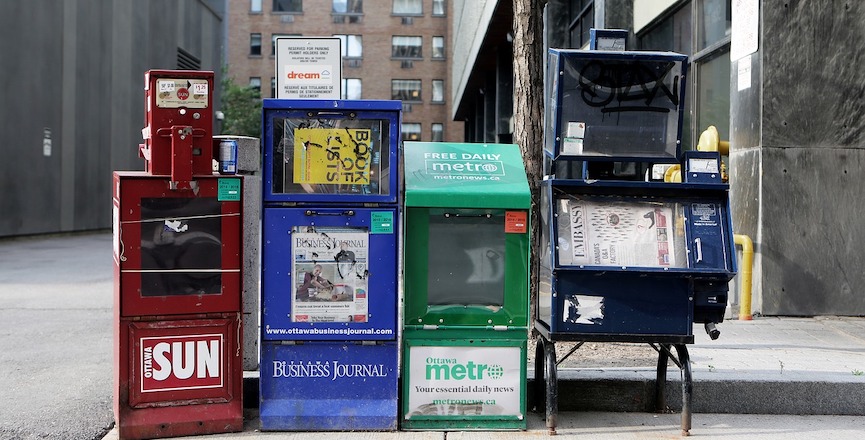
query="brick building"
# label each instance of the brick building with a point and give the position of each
(391, 49)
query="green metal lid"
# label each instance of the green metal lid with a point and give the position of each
(458, 175)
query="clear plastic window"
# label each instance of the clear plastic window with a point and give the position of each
(466, 259)
(616, 107)
(335, 155)
(616, 231)
(330, 268)
(181, 246)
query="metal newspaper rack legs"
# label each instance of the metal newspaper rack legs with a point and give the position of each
(547, 387)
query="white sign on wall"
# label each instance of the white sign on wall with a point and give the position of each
(745, 28)
(308, 68)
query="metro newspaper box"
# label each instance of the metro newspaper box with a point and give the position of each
(329, 265)
(625, 256)
(466, 287)
(177, 274)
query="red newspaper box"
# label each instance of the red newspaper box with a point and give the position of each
(177, 277)
(177, 273)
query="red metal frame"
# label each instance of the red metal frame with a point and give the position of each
(177, 412)
(177, 132)
(136, 186)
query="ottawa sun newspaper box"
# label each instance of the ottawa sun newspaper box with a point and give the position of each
(329, 265)
(177, 280)
(466, 257)
(626, 256)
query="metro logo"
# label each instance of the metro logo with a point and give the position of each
(181, 362)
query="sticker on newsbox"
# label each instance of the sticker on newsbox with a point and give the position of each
(516, 222)
(381, 222)
(229, 190)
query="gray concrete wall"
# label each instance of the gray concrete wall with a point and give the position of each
(797, 156)
(76, 68)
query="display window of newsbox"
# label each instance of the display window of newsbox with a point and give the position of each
(178, 250)
(606, 105)
(467, 226)
(329, 274)
(331, 151)
(609, 232)
(465, 267)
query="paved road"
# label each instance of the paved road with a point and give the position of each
(55, 337)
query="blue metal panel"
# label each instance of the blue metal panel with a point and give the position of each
(337, 114)
(621, 304)
(289, 313)
(328, 386)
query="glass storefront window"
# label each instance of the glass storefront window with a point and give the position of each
(713, 93)
(715, 22)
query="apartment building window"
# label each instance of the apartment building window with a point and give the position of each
(438, 91)
(437, 132)
(255, 83)
(347, 10)
(407, 7)
(439, 8)
(406, 90)
(582, 19)
(288, 6)
(273, 38)
(352, 45)
(347, 7)
(255, 7)
(407, 47)
(273, 87)
(410, 131)
(438, 47)
(255, 44)
(351, 88)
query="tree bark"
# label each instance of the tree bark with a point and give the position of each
(529, 114)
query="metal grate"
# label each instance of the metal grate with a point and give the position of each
(187, 61)
(407, 64)
(408, 20)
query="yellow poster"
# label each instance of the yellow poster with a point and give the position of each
(332, 156)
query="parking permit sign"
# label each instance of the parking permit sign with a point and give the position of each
(308, 68)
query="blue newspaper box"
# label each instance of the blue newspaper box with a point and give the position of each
(626, 256)
(329, 265)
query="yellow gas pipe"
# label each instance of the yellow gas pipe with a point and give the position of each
(710, 140)
(747, 261)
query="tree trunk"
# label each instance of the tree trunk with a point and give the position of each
(529, 113)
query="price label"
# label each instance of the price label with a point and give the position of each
(199, 88)
(166, 86)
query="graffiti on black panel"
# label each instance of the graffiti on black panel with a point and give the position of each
(634, 86)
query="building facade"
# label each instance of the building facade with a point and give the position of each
(391, 49)
(73, 99)
(779, 80)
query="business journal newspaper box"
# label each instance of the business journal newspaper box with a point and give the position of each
(466, 287)
(329, 265)
(626, 256)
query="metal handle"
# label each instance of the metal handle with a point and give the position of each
(699, 245)
(348, 213)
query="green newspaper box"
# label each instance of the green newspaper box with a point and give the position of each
(466, 265)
